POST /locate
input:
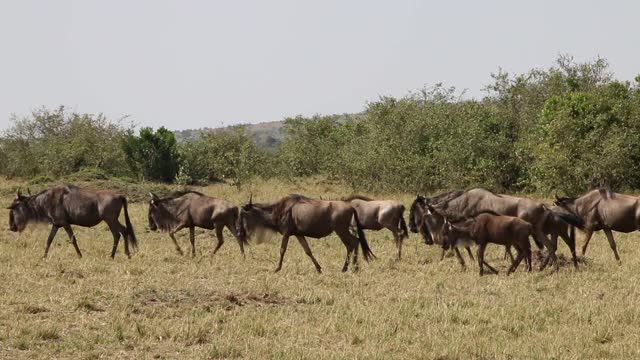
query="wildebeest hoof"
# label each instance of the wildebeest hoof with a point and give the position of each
(319, 270)
(277, 270)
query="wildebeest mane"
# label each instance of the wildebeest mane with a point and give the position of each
(280, 209)
(445, 197)
(357, 197)
(177, 194)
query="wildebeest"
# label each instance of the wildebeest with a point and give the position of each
(381, 214)
(66, 205)
(488, 228)
(300, 216)
(191, 209)
(603, 209)
(431, 225)
(478, 200)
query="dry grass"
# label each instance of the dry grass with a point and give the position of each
(162, 305)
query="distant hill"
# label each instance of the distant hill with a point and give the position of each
(267, 135)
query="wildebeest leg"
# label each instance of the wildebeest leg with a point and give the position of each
(116, 241)
(349, 247)
(52, 234)
(72, 238)
(444, 251)
(493, 270)
(470, 253)
(481, 257)
(587, 237)
(551, 256)
(518, 260)
(232, 227)
(117, 230)
(220, 239)
(612, 243)
(528, 258)
(175, 242)
(398, 240)
(460, 259)
(307, 250)
(192, 239)
(507, 252)
(283, 249)
(571, 243)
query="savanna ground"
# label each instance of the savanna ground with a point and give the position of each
(162, 305)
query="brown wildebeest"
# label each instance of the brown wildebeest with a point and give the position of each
(475, 201)
(492, 228)
(66, 205)
(299, 216)
(430, 225)
(191, 209)
(381, 214)
(603, 209)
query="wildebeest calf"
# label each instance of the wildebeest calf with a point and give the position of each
(490, 228)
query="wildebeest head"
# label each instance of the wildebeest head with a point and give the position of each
(458, 234)
(20, 212)
(154, 211)
(417, 221)
(253, 219)
(567, 203)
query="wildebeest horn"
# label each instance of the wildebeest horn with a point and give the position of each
(251, 199)
(19, 193)
(28, 191)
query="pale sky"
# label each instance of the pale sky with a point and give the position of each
(191, 64)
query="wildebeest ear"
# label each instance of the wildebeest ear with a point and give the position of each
(19, 194)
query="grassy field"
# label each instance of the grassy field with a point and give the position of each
(162, 305)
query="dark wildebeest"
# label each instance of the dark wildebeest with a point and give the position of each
(492, 228)
(66, 205)
(192, 209)
(430, 226)
(603, 209)
(299, 216)
(475, 201)
(381, 214)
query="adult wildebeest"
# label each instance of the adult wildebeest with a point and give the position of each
(488, 228)
(381, 214)
(299, 216)
(430, 225)
(191, 209)
(603, 209)
(478, 200)
(66, 205)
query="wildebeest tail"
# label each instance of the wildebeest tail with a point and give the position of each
(131, 236)
(366, 251)
(403, 228)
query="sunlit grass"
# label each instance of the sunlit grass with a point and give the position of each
(160, 304)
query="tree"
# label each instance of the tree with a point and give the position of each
(152, 155)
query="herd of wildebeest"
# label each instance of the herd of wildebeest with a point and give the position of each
(453, 220)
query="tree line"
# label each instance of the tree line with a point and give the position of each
(569, 127)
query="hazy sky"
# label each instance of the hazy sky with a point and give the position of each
(190, 64)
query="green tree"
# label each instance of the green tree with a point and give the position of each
(56, 143)
(152, 155)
